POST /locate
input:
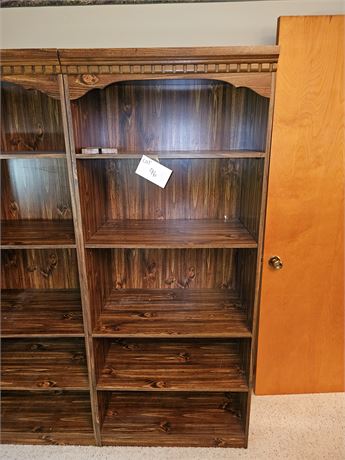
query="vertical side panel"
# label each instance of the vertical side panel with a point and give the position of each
(79, 238)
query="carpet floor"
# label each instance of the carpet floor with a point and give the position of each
(293, 427)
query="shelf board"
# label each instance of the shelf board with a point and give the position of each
(178, 419)
(198, 313)
(24, 155)
(173, 233)
(161, 365)
(37, 234)
(188, 154)
(46, 418)
(41, 313)
(33, 364)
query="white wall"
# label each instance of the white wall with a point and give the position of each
(117, 26)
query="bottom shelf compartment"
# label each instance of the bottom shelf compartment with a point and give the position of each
(174, 419)
(46, 418)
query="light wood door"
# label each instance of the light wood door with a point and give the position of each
(301, 329)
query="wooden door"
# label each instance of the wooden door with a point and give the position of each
(301, 329)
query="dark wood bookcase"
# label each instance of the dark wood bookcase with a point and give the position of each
(129, 312)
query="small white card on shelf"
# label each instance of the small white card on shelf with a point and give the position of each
(153, 171)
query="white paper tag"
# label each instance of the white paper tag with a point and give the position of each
(153, 171)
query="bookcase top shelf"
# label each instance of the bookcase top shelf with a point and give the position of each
(249, 66)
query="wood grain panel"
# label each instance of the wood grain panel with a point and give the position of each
(38, 234)
(51, 418)
(39, 269)
(186, 419)
(161, 365)
(252, 176)
(36, 364)
(30, 120)
(173, 268)
(41, 312)
(171, 115)
(173, 154)
(35, 189)
(175, 233)
(305, 217)
(173, 313)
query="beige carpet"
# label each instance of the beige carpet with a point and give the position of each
(306, 427)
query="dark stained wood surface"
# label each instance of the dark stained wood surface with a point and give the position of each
(26, 154)
(51, 418)
(84, 287)
(35, 189)
(158, 365)
(171, 115)
(37, 234)
(41, 312)
(39, 269)
(170, 419)
(174, 233)
(208, 194)
(167, 277)
(37, 364)
(172, 313)
(30, 120)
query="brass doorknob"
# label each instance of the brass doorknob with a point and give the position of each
(275, 262)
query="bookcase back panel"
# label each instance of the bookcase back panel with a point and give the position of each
(35, 189)
(197, 189)
(173, 268)
(171, 115)
(30, 120)
(39, 269)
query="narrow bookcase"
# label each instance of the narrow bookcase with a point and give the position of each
(129, 312)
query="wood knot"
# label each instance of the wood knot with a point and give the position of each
(184, 357)
(52, 263)
(68, 316)
(165, 426)
(147, 314)
(37, 347)
(109, 371)
(50, 440)
(63, 210)
(89, 79)
(13, 208)
(111, 413)
(37, 429)
(219, 442)
(79, 357)
(46, 384)
(170, 281)
(157, 384)
(31, 268)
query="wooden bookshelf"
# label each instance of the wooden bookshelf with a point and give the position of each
(129, 311)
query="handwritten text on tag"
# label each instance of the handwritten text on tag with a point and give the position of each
(153, 171)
